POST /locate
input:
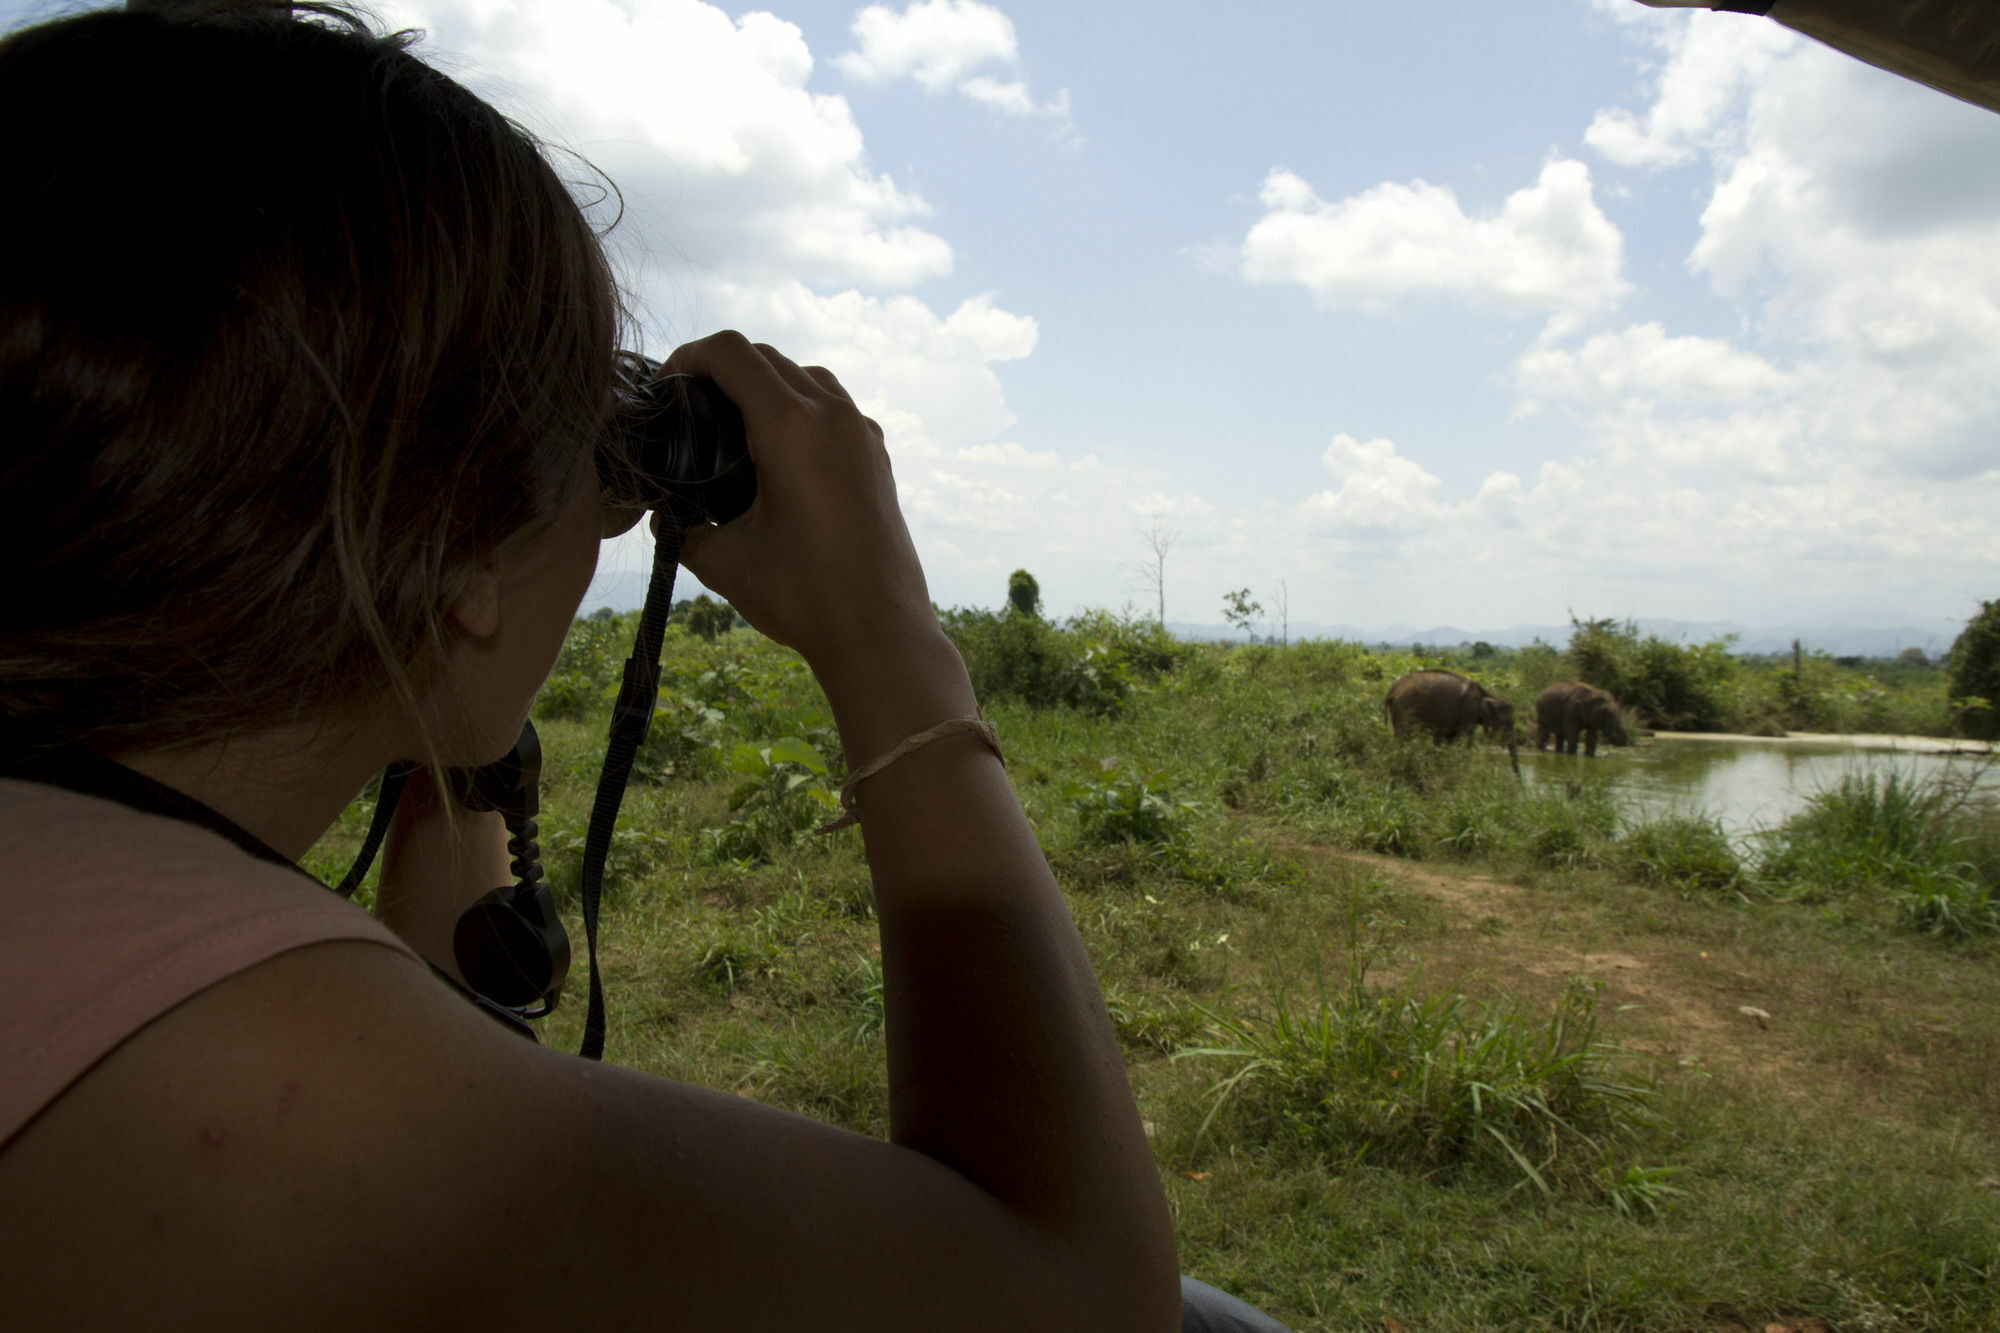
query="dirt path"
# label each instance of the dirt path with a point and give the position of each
(1781, 1003)
(1670, 999)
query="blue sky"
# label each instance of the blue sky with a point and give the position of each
(1447, 313)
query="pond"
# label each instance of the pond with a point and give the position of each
(1749, 783)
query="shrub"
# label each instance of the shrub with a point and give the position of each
(1021, 657)
(1975, 674)
(783, 794)
(1922, 845)
(1677, 687)
(1690, 853)
(1114, 807)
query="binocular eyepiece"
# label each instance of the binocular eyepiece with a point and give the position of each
(675, 442)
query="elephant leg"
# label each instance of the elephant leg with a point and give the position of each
(1590, 743)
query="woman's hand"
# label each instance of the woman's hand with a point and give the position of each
(822, 561)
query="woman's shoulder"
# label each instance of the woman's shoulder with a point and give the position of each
(130, 915)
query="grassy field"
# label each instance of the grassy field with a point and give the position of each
(1417, 1046)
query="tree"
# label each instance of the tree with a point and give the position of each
(1024, 595)
(708, 618)
(1975, 674)
(1914, 656)
(1284, 609)
(1240, 610)
(1152, 570)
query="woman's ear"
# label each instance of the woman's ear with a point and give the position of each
(476, 606)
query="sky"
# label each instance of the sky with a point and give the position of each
(1398, 314)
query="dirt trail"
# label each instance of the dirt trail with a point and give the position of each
(1702, 985)
(1678, 1001)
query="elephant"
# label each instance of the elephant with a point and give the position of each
(1448, 706)
(1570, 710)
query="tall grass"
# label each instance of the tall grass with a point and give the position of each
(1925, 846)
(1389, 1076)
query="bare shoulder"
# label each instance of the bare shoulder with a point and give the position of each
(332, 1138)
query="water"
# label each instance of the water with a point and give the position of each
(1750, 784)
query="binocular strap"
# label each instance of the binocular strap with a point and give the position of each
(630, 717)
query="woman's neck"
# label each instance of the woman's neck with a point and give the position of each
(286, 786)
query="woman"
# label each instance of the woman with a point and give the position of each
(304, 351)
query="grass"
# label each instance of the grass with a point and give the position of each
(1413, 1040)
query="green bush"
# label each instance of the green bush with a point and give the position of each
(1924, 846)
(1675, 687)
(1975, 674)
(1113, 807)
(1689, 853)
(783, 794)
(1012, 656)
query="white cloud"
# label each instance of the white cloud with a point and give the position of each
(1009, 454)
(893, 350)
(727, 161)
(941, 44)
(1644, 362)
(1712, 59)
(1377, 491)
(1855, 220)
(1548, 248)
(935, 42)
(1847, 428)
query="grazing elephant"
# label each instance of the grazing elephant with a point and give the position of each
(1448, 706)
(1569, 710)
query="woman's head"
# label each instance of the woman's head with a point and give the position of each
(294, 333)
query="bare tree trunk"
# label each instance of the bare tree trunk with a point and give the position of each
(1159, 539)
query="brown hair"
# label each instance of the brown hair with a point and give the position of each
(294, 331)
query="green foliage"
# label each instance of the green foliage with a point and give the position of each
(1389, 1076)
(1675, 687)
(1012, 656)
(761, 976)
(1240, 609)
(782, 795)
(1114, 807)
(1688, 853)
(1537, 667)
(684, 739)
(706, 618)
(1024, 595)
(1975, 674)
(1923, 846)
(586, 672)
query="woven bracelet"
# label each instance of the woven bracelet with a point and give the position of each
(957, 726)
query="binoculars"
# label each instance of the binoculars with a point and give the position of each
(675, 442)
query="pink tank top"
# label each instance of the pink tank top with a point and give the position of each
(113, 917)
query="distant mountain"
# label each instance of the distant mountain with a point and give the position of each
(627, 589)
(1836, 640)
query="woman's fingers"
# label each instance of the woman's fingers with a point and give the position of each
(825, 379)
